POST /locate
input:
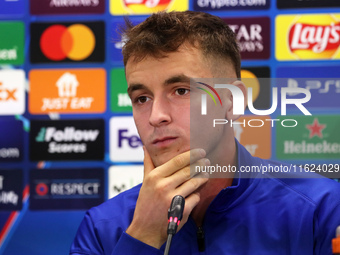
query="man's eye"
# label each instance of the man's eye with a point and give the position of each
(142, 99)
(182, 91)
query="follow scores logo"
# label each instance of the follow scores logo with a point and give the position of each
(67, 42)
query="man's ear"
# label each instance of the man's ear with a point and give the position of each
(230, 111)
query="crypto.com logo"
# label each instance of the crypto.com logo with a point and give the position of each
(238, 99)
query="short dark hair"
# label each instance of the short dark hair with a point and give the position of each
(163, 33)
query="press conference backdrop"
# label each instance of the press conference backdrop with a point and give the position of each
(67, 137)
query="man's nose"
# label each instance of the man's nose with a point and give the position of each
(160, 113)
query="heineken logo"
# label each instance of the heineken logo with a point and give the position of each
(315, 129)
(315, 137)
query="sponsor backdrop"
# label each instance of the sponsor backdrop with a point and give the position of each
(67, 136)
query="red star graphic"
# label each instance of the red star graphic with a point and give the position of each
(315, 128)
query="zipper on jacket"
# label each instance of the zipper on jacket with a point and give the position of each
(200, 239)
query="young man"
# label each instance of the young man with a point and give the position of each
(231, 215)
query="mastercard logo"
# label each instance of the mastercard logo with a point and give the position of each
(67, 42)
(75, 42)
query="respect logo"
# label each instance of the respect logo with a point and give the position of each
(67, 42)
(307, 37)
(65, 189)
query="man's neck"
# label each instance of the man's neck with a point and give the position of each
(208, 192)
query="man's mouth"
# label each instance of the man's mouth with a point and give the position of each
(164, 141)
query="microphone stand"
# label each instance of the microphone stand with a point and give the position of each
(175, 214)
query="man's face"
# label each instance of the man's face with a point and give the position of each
(160, 95)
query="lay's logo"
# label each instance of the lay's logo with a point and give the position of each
(155, 5)
(146, 6)
(307, 37)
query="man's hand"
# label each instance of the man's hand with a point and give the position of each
(160, 185)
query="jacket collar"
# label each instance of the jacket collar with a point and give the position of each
(242, 182)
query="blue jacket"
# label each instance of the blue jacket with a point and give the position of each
(263, 216)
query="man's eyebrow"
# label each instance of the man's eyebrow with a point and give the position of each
(135, 86)
(174, 79)
(177, 78)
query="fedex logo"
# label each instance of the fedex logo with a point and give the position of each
(133, 141)
(125, 143)
(7, 94)
(12, 92)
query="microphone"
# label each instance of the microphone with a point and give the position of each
(175, 214)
